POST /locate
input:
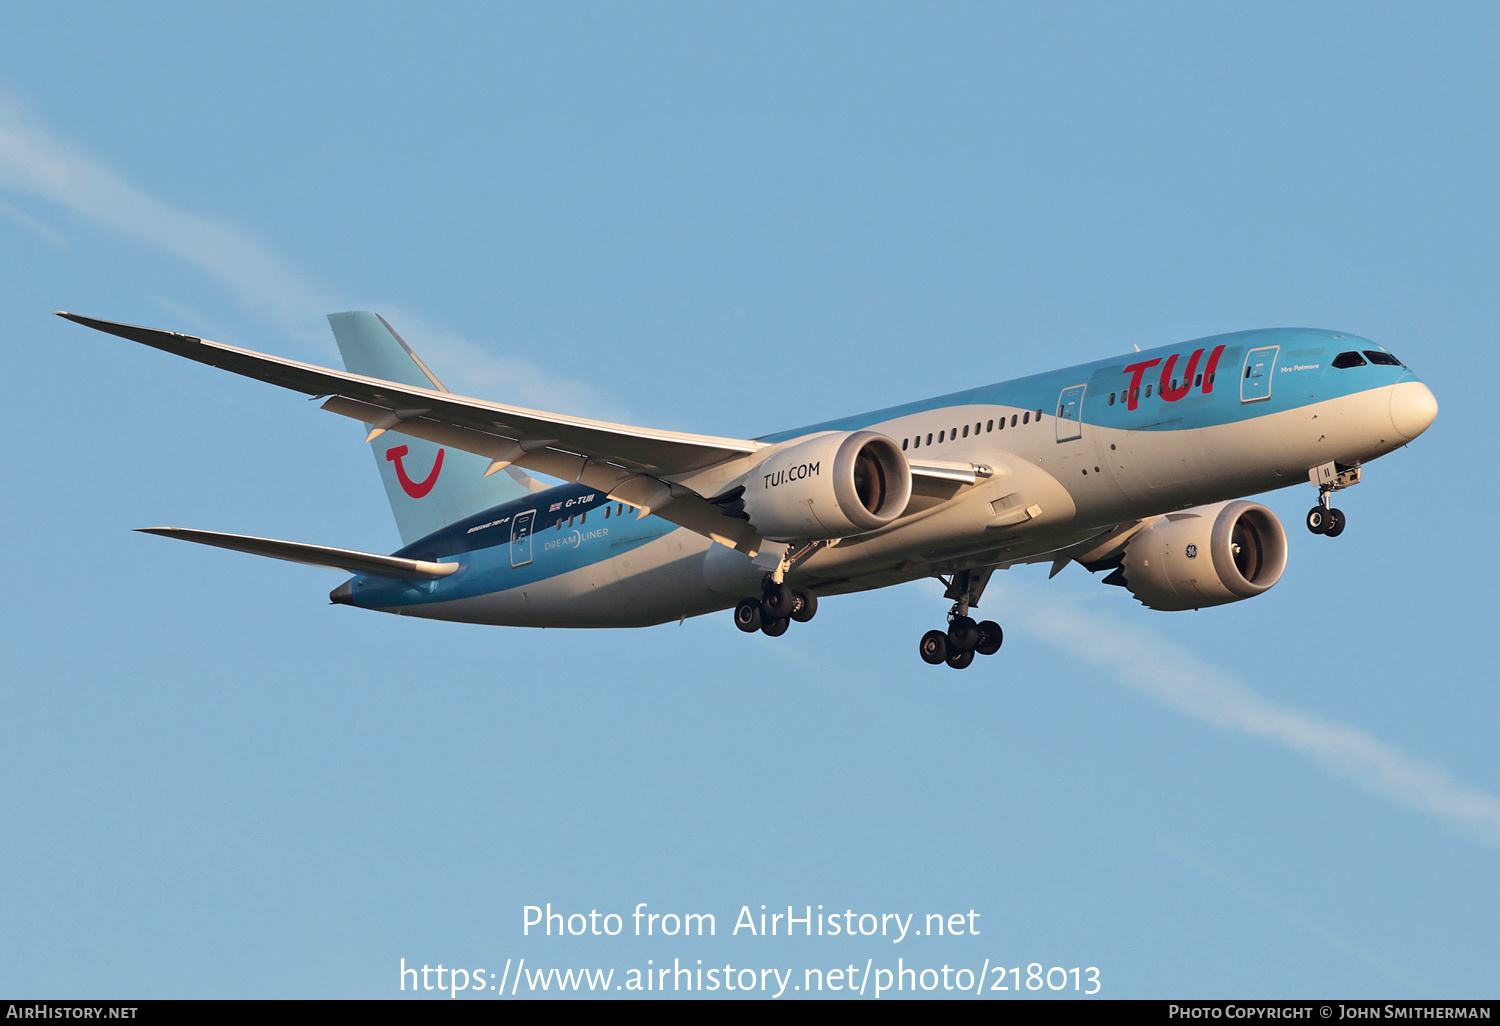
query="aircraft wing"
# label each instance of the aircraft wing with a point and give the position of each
(313, 555)
(654, 451)
(628, 463)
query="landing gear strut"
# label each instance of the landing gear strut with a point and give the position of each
(1330, 478)
(964, 638)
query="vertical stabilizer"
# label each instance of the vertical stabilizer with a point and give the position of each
(430, 486)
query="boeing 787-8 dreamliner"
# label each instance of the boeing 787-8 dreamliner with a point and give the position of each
(1137, 465)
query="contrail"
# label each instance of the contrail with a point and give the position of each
(34, 161)
(1289, 914)
(1177, 679)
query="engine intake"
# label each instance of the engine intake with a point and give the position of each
(1206, 556)
(830, 486)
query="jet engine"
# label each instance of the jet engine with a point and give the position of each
(1205, 556)
(831, 486)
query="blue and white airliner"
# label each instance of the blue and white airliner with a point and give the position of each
(1136, 465)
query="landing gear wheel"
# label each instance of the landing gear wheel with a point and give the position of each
(963, 635)
(934, 647)
(806, 605)
(1335, 523)
(960, 660)
(1317, 520)
(747, 616)
(775, 628)
(777, 603)
(991, 637)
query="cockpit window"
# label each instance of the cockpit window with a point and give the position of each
(1382, 359)
(1346, 360)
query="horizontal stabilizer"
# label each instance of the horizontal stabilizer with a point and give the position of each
(313, 555)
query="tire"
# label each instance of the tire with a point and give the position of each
(1317, 520)
(991, 637)
(960, 660)
(775, 628)
(1335, 523)
(747, 616)
(934, 647)
(777, 603)
(806, 603)
(963, 634)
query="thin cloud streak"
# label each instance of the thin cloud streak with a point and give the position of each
(47, 234)
(34, 161)
(1287, 913)
(1174, 677)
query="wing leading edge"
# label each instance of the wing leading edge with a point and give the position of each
(631, 464)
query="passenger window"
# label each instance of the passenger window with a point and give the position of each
(976, 427)
(1344, 361)
(1038, 416)
(966, 431)
(1148, 391)
(1012, 420)
(952, 434)
(940, 436)
(989, 426)
(1198, 381)
(606, 512)
(1026, 417)
(903, 443)
(583, 518)
(620, 510)
(1111, 398)
(1211, 376)
(1383, 359)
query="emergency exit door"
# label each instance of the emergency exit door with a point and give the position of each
(1070, 413)
(520, 537)
(1255, 379)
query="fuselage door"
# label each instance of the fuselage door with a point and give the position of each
(520, 537)
(1255, 379)
(1070, 413)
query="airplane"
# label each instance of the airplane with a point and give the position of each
(1138, 465)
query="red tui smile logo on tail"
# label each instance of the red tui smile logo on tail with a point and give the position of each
(416, 489)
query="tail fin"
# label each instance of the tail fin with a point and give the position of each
(430, 486)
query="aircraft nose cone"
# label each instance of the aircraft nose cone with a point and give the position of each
(1413, 408)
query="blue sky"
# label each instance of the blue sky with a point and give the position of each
(733, 220)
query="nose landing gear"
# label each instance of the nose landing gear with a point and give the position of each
(964, 638)
(1330, 478)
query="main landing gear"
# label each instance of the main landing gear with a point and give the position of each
(964, 638)
(775, 610)
(1330, 478)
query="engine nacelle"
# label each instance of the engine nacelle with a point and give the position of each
(832, 486)
(1206, 556)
